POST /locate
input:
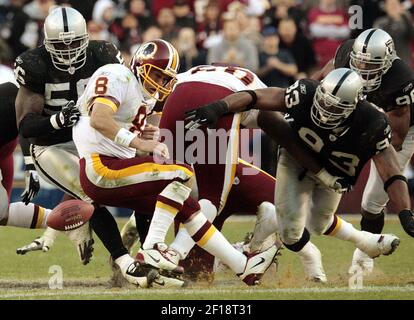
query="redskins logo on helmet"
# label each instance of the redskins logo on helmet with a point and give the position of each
(156, 55)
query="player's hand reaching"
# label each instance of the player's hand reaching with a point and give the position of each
(208, 114)
(338, 184)
(32, 186)
(67, 117)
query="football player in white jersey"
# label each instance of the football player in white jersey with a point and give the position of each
(108, 135)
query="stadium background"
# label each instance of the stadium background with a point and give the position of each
(280, 40)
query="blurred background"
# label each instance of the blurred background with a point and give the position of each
(280, 40)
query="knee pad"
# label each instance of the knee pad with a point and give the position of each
(373, 223)
(176, 191)
(208, 209)
(298, 245)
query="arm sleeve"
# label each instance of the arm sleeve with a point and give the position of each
(34, 125)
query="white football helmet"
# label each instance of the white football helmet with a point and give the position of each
(66, 38)
(336, 98)
(372, 55)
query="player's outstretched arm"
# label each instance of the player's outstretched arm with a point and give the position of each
(400, 123)
(395, 184)
(262, 99)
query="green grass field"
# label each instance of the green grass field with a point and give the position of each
(27, 277)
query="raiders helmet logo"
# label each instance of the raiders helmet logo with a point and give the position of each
(146, 52)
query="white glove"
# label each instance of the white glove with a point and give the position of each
(338, 184)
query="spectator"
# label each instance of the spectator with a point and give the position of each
(183, 15)
(277, 66)
(103, 15)
(328, 26)
(399, 25)
(234, 49)
(209, 29)
(140, 11)
(166, 22)
(281, 9)
(190, 56)
(298, 45)
(158, 5)
(13, 23)
(250, 26)
(152, 33)
(6, 60)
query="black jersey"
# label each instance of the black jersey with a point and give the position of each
(397, 85)
(34, 70)
(8, 127)
(345, 150)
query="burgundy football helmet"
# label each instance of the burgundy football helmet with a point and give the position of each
(160, 55)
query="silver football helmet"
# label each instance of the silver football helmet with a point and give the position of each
(336, 98)
(66, 38)
(372, 55)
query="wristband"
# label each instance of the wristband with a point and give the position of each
(124, 137)
(253, 94)
(54, 122)
(391, 180)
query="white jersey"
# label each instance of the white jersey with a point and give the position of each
(116, 83)
(232, 78)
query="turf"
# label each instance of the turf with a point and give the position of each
(27, 277)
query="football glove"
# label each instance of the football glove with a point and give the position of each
(67, 117)
(32, 186)
(407, 221)
(338, 184)
(208, 114)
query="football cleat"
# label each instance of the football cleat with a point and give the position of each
(257, 264)
(361, 260)
(375, 245)
(139, 274)
(161, 257)
(312, 264)
(44, 243)
(82, 238)
(168, 279)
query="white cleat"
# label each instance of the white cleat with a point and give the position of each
(258, 263)
(363, 261)
(375, 245)
(312, 264)
(139, 274)
(82, 238)
(167, 279)
(161, 257)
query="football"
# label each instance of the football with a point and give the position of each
(70, 215)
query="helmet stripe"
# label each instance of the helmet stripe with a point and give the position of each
(175, 60)
(170, 53)
(365, 46)
(65, 20)
(340, 82)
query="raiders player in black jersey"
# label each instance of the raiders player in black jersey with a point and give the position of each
(343, 131)
(389, 84)
(52, 78)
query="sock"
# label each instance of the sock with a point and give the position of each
(183, 242)
(169, 202)
(211, 240)
(129, 233)
(343, 230)
(105, 227)
(371, 222)
(31, 216)
(142, 223)
(266, 224)
(306, 251)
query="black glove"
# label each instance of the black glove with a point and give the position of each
(32, 186)
(208, 114)
(67, 117)
(343, 185)
(407, 221)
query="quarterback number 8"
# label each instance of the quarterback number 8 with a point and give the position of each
(101, 85)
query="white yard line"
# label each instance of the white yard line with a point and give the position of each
(189, 292)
